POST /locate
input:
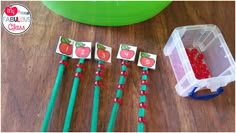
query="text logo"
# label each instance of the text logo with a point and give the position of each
(16, 19)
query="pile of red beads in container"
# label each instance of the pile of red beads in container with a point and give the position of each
(196, 59)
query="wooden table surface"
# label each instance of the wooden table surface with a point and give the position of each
(30, 64)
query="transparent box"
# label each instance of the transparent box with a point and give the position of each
(209, 41)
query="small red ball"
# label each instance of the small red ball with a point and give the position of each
(124, 73)
(194, 51)
(121, 87)
(141, 119)
(144, 82)
(117, 100)
(64, 62)
(143, 92)
(142, 105)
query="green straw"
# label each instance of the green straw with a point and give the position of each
(96, 101)
(141, 126)
(54, 95)
(116, 105)
(72, 99)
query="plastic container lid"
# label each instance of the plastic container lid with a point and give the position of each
(107, 13)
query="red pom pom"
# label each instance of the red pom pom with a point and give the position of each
(141, 119)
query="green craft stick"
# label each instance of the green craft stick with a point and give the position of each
(96, 102)
(53, 96)
(95, 109)
(113, 117)
(140, 127)
(116, 105)
(72, 100)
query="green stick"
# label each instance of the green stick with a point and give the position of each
(96, 101)
(141, 126)
(53, 96)
(72, 99)
(116, 105)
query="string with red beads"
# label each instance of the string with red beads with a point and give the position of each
(142, 101)
(117, 99)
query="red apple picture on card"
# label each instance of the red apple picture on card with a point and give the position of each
(127, 52)
(81, 50)
(147, 60)
(65, 46)
(103, 52)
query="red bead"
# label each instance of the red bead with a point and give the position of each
(64, 62)
(97, 83)
(141, 119)
(124, 73)
(142, 105)
(194, 51)
(143, 92)
(145, 72)
(100, 66)
(198, 62)
(124, 62)
(98, 73)
(191, 60)
(203, 66)
(187, 51)
(117, 100)
(200, 56)
(121, 87)
(79, 75)
(79, 65)
(144, 82)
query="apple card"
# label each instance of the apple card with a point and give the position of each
(127, 52)
(82, 50)
(147, 60)
(65, 46)
(102, 52)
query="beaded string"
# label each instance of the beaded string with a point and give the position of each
(117, 100)
(97, 86)
(74, 89)
(142, 100)
(63, 63)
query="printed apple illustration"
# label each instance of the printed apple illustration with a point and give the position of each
(10, 11)
(81, 50)
(65, 47)
(102, 53)
(146, 61)
(125, 52)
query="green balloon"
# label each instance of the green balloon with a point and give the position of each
(107, 13)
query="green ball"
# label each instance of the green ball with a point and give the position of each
(107, 13)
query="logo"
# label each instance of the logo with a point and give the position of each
(16, 19)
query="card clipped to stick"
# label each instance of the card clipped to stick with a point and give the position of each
(82, 50)
(65, 46)
(147, 60)
(127, 52)
(102, 52)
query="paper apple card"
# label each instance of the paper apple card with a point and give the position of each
(127, 52)
(147, 60)
(102, 52)
(82, 50)
(65, 46)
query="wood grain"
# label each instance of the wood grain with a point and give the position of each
(29, 67)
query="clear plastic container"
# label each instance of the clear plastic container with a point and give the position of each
(210, 42)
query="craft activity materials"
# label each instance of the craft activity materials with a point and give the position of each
(64, 48)
(146, 60)
(126, 53)
(102, 54)
(200, 59)
(82, 51)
